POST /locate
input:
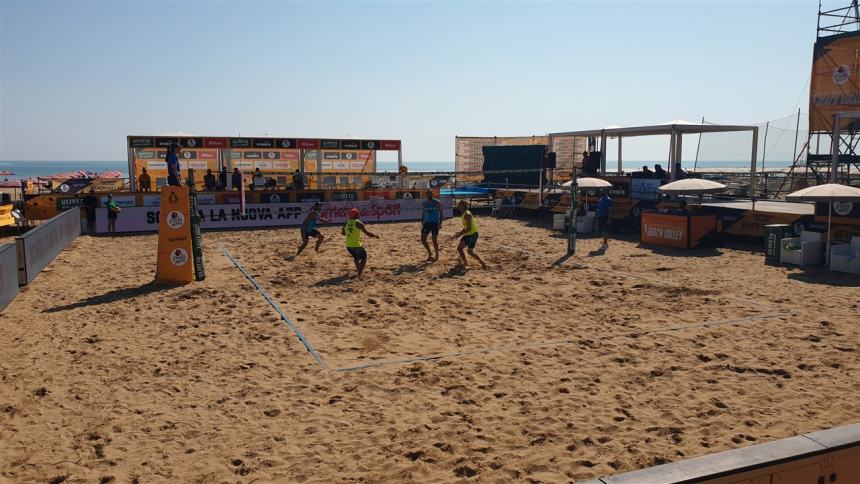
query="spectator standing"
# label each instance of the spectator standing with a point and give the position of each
(90, 204)
(174, 176)
(222, 178)
(646, 172)
(113, 211)
(679, 172)
(236, 179)
(660, 173)
(144, 182)
(259, 180)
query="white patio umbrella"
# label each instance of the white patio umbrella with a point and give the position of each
(692, 186)
(588, 182)
(830, 192)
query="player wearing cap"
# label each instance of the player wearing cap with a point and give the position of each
(309, 228)
(352, 229)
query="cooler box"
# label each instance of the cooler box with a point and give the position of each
(773, 235)
(585, 225)
(558, 221)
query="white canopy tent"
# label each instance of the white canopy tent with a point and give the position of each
(675, 129)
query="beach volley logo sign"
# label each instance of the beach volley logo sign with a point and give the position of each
(175, 219)
(179, 257)
(841, 74)
(843, 209)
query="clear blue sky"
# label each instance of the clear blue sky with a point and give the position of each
(76, 77)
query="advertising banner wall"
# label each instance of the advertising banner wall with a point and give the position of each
(38, 247)
(146, 219)
(834, 86)
(8, 274)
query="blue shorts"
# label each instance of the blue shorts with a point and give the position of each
(470, 240)
(311, 233)
(602, 223)
(357, 253)
(430, 228)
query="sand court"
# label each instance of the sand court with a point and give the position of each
(600, 364)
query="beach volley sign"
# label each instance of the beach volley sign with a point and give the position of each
(229, 216)
(834, 87)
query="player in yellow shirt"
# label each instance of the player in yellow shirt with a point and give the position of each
(468, 236)
(352, 229)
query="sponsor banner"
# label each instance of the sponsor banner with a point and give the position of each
(107, 184)
(215, 142)
(145, 154)
(72, 185)
(165, 142)
(275, 197)
(252, 155)
(8, 274)
(389, 145)
(240, 142)
(285, 143)
(356, 165)
(68, 203)
(283, 166)
(272, 155)
(665, 230)
(308, 144)
(645, 188)
(207, 155)
(38, 247)
(331, 155)
(263, 143)
(263, 165)
(188, 155)
(156, 165)
(350, 144)
(244, 165)
(147, 219)
(842, 212)
(370, 144)
(305, 197)
(341, 165)
(140, 142)
(834, 86)
(206, 199)
(155, 200)
(344, 196)
(329, 144)
(121, 201)
(6, 218)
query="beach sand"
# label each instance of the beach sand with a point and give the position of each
(595, 366)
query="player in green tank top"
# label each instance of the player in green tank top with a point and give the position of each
(352, 230)
(469, 236)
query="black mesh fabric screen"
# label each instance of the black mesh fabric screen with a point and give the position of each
(528, 157)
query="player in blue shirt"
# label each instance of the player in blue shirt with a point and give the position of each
(431, 222)
(604, 212)
(309, 228)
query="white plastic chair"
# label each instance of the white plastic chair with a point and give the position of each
(846, 257)
(497, 207)
(806, 250)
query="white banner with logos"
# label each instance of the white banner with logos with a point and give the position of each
(38, 247)
(8, 274)
(145, 219)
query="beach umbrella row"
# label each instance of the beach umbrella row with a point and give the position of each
(829, 192)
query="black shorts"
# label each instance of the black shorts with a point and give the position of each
(602, 223)
(173, 181)
(312, 233)
(470, 240)
(430, 228)
(357, 253)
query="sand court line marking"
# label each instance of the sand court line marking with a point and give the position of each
(558, 342)
(276, 307)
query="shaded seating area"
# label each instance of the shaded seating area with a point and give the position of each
(846, 257)
(805, 250)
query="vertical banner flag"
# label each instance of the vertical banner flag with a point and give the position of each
(174, 237)
(835, 86)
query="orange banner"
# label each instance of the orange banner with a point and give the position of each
(834, 86)
(174, 237)
(681, 231)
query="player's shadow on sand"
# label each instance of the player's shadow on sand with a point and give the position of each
(333, 281)
(113, 296)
